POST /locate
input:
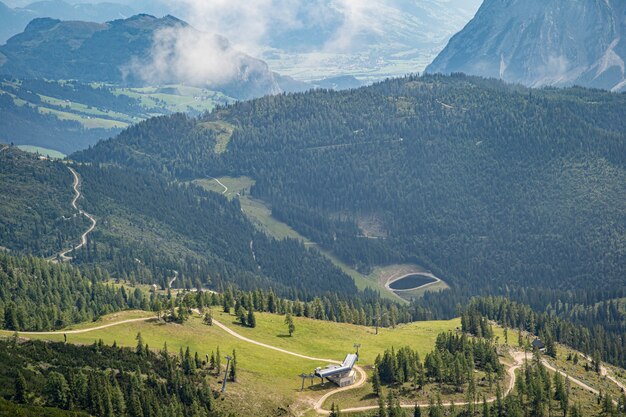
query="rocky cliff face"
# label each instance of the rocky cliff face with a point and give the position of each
(542, 42)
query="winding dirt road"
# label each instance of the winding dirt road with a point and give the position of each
(319, 403)
(518, 358)
(220, 183)
(519, 361)
(169, 284)
(574, 380)
(83, 238)
(605, 373)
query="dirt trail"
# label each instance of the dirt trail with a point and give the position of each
(605, 373)
(254, 342)
(169, 284)
(319, 403)
(220, 183)
(83, 238)
(519, 361)
(574, 380)
(518, 358)
(87, 330)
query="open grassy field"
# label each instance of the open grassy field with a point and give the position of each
(275, 374)
(262, 369)
(176, 98)
(223, 131)
(42, 151)
(87, 121)
(72, 106)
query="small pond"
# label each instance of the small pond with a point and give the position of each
(411, 281)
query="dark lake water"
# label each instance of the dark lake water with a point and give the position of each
(411, 281)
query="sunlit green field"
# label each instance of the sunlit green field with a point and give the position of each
(42, 151)
(262, 368)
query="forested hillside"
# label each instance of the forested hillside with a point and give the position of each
(35, 196)
(489, 184)
(146, 222)
(498, 189)
(102, 381)
(40, 295)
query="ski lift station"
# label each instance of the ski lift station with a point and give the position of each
(342, 375)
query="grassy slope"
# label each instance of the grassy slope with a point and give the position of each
(42, 151)
(260, 214)
(261, 368)
(275, 373)
(188, 98)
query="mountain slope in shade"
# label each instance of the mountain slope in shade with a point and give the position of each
(542, 42)
(122, 51)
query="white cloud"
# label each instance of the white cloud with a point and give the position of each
(183, 53)
(359, 18)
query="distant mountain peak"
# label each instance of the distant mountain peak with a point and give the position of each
(542, 42)
(41, 23)
(139, 49)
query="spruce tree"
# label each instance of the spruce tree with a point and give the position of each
(251, 318)
(241, 315)
(233, 368)
(139, 350)
(20, 389)
(291, 327)
(376, 382)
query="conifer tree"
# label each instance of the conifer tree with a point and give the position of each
(291, 327)
(20, 389)
(376, 383)
(233, 367)
(251, 318)
(241, 315)
(139, 349)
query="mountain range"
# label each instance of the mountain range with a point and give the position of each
(14, 20)
(124, 51)
(307, 40)
(542, 43)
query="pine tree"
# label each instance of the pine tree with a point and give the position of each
(218, 361)
(291, 327)
(417, 411)
(381, 407)
(251, 318)
(208, 318)
(139, 349)
(241, 315)
(376, 382)
(486, 410)
(233, 367)
(57, 390)
(20, 389)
